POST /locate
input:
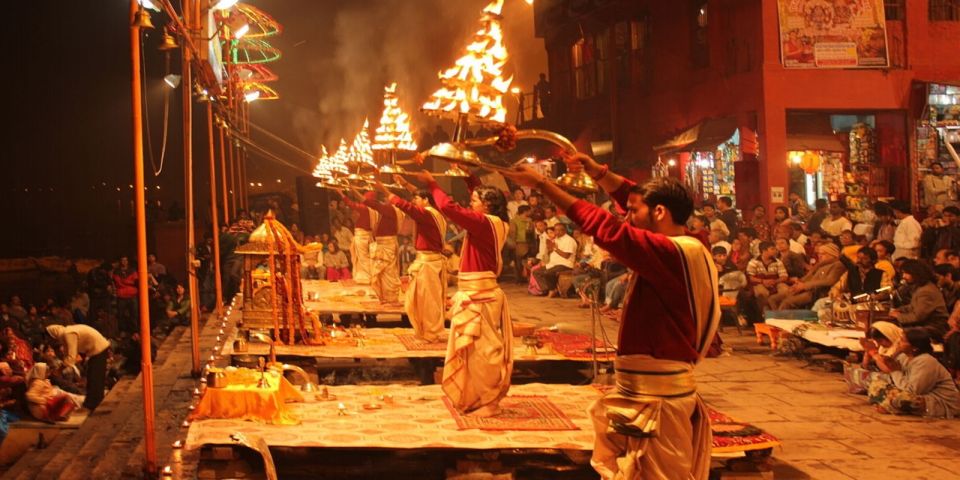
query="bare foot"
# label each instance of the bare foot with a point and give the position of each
(491, 410)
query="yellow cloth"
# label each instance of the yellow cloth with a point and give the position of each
(360, 255)
(655, 426)
(384, 269)
(242, 399)
(479, 360)
(426, 295)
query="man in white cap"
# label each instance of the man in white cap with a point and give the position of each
(814, 284)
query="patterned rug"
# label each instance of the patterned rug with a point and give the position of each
(412, 343)
(518, 412)
(575, 345)
(730, 435)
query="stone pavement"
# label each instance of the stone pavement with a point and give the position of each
(827, 434)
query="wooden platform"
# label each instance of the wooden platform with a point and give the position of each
(323, 296)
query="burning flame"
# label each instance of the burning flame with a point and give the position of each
(475, 84)
(360, 151)
(324, 164)
(394, 130)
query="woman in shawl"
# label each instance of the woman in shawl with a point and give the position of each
(882, 341)
(45, 401)
(919, 384)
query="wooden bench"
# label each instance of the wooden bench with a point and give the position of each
(773, 333)
(29, 433)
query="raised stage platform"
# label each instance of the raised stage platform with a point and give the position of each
(345, 297)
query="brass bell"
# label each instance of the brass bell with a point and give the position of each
(142, 19)
(577, 182)
(167, 42)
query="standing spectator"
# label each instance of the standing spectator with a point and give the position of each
(125, 283)
(943, 234)
(536, 208)
(936, 186)
(550, 216)
(715, 222)
(561, 252)
(729, 215)
(518, 200)
(907, 236)
(518, 239)
(543, 95)
(837, 222)
(816, 220)
(798, 206)
(885, 226)
(156, 269)
(760, 224)
(85, 340)
(767, 274)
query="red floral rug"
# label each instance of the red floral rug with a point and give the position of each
(576, 345)
(518, 412)
(412, 343)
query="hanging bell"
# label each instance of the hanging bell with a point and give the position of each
(167, 42)
(142, 19)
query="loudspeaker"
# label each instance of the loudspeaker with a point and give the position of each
(314, 206)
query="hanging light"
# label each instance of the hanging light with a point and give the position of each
(240, 32)
(225, 4)
(149, 4)
(172, 80)
(251, 96)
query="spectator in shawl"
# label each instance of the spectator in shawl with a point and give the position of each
(46, 402)
(926, 309)
(919, 384)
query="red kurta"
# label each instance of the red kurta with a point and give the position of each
(481, 252)
(388, 224)
(362, 214)
(429, 236)
(657, 319)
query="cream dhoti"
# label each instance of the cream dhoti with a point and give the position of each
(426, 295)
(479, 361)
(360, 255)
(655, 426)
(384, 269)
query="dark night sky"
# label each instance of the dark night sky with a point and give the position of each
(68, 82)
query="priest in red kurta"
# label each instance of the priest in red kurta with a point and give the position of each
(384, 265)
(365, 219)
(426, 294)
(479, 360)
(654, 426)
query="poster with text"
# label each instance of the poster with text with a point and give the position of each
(833, 34)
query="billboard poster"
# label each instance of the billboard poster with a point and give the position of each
(833, 34)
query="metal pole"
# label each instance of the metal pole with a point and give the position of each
(146, 367)
(223, 177)
(215, 222)
(187, 90)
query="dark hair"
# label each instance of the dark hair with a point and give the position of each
(820, 203)
(494, 200)
(781, 208)
(952, 209)
(426, 195)
(670, 193)
(949, 252)
(523, 209)
(750, 232)
(945, 269)
(870, 253)
(919, 339)
(719, 249)
(921, 272)
(755, 207)
(876, 334)
(705, 205)
(765, 245)
(888, 246)
(881, 208)
(900, 206)
(726, 201)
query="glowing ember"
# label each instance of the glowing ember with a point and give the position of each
(360, 151)
(475, 84)
(394, 130)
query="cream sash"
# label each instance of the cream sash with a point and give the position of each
(384, 270)
(479, 360)
(360, 255)
(426, 295)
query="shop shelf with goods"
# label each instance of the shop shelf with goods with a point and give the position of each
(938, 135)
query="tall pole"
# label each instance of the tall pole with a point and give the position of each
(244, 199)
(234, 192)
(215, 222)
(223, 177)
(187, 90)
(146, 364)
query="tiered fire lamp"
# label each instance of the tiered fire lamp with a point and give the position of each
(473, 91)
(394, 133)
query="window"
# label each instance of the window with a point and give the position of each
(699, 44)
(895, 9)
(944, 10)
(589, 61)
(630, 43)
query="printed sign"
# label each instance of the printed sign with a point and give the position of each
(833, 34)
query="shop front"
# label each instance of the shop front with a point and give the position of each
(937, 140)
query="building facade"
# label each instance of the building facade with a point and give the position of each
(739, 99)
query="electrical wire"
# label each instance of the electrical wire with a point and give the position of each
(145, 103)
(284, 142)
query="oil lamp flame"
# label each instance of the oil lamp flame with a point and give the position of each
(394, 130)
